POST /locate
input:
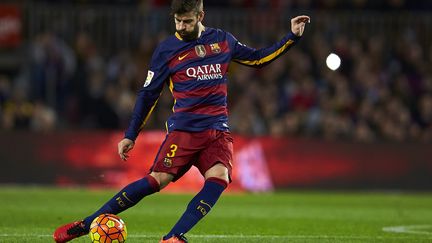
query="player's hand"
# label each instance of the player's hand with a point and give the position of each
(298, 24)
(124, 146)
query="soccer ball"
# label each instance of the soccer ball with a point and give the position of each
(108, 228)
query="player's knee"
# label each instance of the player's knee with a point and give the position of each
(217, 171)
(162, 178)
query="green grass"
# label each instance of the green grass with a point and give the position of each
(31, 215)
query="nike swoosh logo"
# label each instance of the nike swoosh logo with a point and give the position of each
(124, 195)
(183, 57)
(202, 201)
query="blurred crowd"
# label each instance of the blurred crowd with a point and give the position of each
(382, 92)
(272, 4)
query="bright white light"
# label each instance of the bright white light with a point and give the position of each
(333, 61)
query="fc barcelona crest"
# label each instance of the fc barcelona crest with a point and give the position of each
(215, 48)
(167, 162)
(200, 50)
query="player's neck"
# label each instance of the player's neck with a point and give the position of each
(201, 28)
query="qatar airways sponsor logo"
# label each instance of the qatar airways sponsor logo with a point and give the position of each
(205, 72)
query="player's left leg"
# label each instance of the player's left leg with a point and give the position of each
(216, 182)
(215, 164)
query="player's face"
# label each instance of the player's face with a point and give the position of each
(187, 25)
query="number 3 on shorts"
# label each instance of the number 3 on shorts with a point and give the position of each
(173, 151)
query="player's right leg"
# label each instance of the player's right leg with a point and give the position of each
(126, 198)
(171, 163)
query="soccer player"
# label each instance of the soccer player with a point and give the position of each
(193, 63)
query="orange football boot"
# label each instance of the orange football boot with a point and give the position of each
(69, 232)
(175, 239)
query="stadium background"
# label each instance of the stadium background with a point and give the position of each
(69, 71)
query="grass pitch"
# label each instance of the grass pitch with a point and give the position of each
(32, 214)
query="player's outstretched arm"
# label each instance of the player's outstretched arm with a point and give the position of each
(124, 146)
(260, 57)
(298, 24)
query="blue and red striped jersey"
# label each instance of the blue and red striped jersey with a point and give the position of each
(196, 72)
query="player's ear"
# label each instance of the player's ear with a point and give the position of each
(201, 16)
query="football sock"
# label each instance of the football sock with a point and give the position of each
(199, 206)
(126, 198)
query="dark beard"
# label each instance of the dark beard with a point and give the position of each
(189, 36)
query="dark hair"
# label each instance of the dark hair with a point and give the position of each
(186, 6)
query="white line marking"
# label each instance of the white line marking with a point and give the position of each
(410, 229)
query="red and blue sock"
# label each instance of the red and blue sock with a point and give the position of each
(199, 206)
(126, 198)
